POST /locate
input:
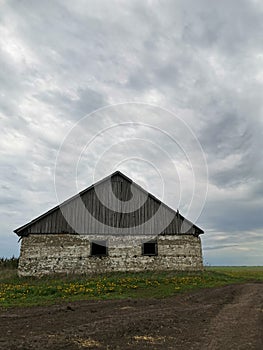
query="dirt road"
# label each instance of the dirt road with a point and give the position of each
(229, 317)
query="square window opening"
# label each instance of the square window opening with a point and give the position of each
(99, 248)
(149, 248)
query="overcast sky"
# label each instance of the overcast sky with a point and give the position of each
(175, 86)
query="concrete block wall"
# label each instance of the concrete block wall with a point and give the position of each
(43, 254)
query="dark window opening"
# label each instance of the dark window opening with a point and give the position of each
(99, 248)
(149, 248)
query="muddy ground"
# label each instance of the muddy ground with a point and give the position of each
(229, 317)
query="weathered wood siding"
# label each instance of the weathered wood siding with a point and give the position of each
(114, 206)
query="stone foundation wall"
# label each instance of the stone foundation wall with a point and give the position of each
(64, 253)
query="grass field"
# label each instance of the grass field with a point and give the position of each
(15, 291)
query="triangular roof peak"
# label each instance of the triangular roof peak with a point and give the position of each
(117, 172)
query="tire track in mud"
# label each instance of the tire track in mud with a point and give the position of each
(239, 324)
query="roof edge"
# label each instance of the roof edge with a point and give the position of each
(117, 172)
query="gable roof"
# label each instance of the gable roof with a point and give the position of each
(32, 225)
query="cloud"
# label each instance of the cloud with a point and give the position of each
(201, 60)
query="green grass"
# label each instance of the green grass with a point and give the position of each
(15, 291)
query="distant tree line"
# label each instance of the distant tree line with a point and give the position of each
(10, 263)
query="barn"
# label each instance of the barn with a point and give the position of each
(113, 225)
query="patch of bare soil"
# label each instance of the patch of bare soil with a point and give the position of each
(229, 317)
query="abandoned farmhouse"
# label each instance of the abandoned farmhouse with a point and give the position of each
(113, 225)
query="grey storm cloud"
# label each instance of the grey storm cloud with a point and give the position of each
(88, 101)
(202, 60)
